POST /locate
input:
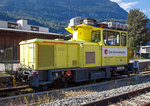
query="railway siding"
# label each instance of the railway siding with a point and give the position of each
(80, 95)
(84, 99)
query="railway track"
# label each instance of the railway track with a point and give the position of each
(58, 94)
(23, 92)
(18, 90)
(135, 98)
(14, 91)
(139, 97)
(14, 88)
(140, 100)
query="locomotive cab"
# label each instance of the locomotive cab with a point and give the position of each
(112, 40)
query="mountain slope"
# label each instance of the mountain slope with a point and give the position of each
(6, 17)
(57, 13)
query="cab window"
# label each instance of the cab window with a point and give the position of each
(123, 39)
(111, 38)
(95, 36)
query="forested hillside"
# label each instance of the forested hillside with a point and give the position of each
(56, 14)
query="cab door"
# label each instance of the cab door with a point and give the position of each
(96, 38)
(112, 51)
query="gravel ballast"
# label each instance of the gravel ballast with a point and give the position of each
(120, 87)
(79, 95)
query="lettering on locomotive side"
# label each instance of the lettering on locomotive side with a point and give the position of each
(31, 47)
(114, 52)
(61, 49)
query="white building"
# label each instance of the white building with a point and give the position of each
(145, 51)
(22, 25)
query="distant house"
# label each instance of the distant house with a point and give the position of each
(145, 50)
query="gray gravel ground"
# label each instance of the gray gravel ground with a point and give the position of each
(78, 95)
(102, 91)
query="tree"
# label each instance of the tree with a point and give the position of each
(138, 33)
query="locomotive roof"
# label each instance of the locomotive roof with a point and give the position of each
(70, 29)
(60, 41)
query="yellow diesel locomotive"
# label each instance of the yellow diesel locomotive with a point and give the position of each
(96, 50)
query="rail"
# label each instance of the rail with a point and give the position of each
(114, 99)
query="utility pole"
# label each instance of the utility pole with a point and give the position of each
(140, 48)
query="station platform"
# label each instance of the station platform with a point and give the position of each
(140, 60)
(2, 67)
(144, 64)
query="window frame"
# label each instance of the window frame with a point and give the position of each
(99, 36)
(125, 39)
(107, 43)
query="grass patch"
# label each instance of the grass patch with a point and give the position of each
(133, 83)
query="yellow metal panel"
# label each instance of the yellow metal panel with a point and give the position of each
(81, 56)
(106, 61)
(117, 60)
(26, 55)
(22, 59)
(124, 60)
(85, 34)
(95, 52)
(73, 55)
(81, 32)
(61, 55)
(121, 60)
(46, 56)
(31, 56)
(114, 55)
(49, 54)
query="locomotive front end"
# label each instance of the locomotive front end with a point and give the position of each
(43, 61)
(27, 71)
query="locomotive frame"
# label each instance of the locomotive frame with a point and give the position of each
(93, 53)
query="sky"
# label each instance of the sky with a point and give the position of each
(143, 5)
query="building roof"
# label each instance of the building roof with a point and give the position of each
(37, 32)
(145, 46)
